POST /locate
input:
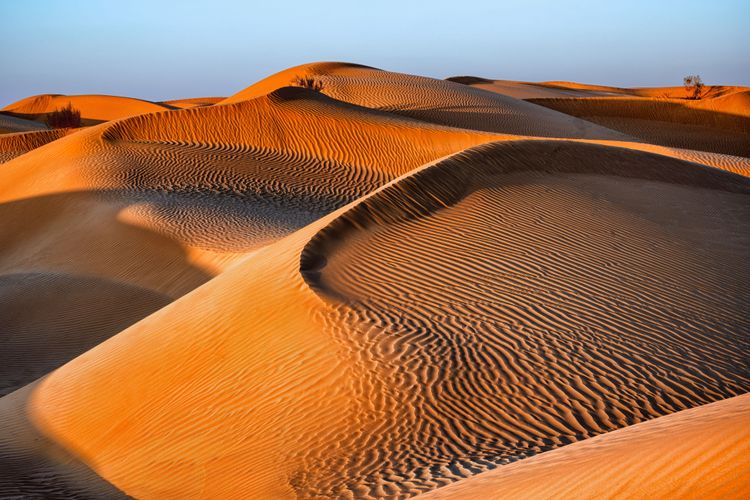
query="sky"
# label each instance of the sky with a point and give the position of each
(160, 50)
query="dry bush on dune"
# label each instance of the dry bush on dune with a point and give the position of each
(67, 117)
(309, 82)
(693, 86)
(469, 80)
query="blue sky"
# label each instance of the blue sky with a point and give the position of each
(162, 50)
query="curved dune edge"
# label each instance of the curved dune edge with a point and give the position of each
(160, 203)
(95, 108)
(231, 361)
(697, 453)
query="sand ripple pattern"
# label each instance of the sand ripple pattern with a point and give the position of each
(520, 297)
(436, 101)
(287, 158)
(13, 145)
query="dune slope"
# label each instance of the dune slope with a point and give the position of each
(697, 453)
(667, 122)
(437, 101)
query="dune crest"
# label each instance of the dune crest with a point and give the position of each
(436, 101)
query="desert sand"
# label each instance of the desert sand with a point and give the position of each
(344, 282)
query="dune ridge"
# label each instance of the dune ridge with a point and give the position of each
(436, 101)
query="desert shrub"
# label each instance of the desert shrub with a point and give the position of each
(693, 85)
(469, 80)
(67, 117)
(309, 82)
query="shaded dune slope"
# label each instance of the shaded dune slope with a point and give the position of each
(709, 92)
(13, 145)
(731, 163)
(437, 101)
(697, 453)
(417, 336)
(717, 122)
(12, 124)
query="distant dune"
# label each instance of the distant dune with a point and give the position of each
(343, 282)
(93, 108)
(193, 102)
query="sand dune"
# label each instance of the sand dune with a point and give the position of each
(678, 92)
(661, 115)
(395, 286)
(93, 108)
(437, 101)
(698, 453)
(665, 122)
(541, 90)
(526, 90)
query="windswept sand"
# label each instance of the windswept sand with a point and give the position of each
(437, 101)
(395, 286)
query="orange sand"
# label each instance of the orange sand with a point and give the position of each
(391, 287)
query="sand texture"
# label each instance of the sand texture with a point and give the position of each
(385, 286)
